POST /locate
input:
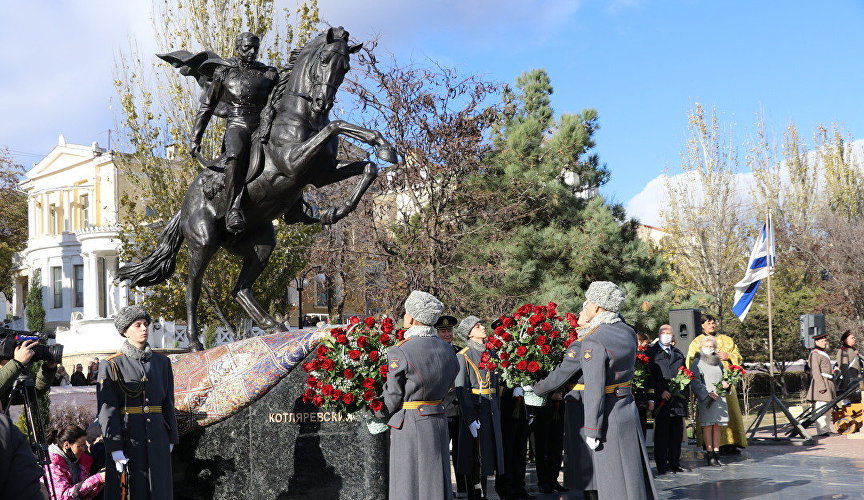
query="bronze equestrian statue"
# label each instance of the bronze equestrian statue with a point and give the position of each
(294, 145)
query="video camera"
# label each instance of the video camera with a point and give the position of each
(10, 339)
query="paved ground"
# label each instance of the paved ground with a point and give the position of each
(831, 469)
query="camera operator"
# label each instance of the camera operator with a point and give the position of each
(10, 369)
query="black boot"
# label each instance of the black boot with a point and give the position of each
(717, 458)
(234, 222)
(709, 457)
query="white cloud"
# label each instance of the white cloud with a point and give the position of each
(648, 203)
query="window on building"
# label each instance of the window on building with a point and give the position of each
(57, 285)
(85, 210)
(78, 285)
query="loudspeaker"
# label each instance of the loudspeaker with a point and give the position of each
(686, 325)
(811, 325)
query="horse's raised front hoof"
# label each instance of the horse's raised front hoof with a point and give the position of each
(388, 154)
(195, 346)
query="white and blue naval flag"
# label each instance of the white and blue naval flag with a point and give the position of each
(761, 263)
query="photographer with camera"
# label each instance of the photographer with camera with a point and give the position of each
(12, 367)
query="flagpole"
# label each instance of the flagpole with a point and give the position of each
(770, 234)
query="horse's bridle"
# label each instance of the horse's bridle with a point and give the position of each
(308, 97)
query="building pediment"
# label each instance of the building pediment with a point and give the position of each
(63, 158)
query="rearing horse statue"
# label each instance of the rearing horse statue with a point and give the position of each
(301, 150)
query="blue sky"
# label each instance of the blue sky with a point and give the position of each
(641, 64)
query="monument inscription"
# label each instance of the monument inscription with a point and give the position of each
(281, 448)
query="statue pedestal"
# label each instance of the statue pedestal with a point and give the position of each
(280, 448)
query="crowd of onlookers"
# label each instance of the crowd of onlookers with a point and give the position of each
(78, 377)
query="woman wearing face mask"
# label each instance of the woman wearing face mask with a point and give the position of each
(70, 465)
(712, 410)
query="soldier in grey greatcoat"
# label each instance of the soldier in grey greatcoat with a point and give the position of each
(479, 406)
(136, 411)
(611, 429)
(821, 390)
(421, 370)
(578, 470)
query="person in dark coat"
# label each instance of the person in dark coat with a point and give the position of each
(135, 395)
(514, 442)
(611, 429)
(849, 363)
(445, 326)
(481, 451)
(78, 378)
(421, 371)
(20, 476)
(578, 469)
(671, 410)
(547, 431)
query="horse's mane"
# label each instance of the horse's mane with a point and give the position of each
(270, 110)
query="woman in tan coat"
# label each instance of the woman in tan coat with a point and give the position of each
(821, 389)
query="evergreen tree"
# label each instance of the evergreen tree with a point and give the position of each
(554, 234)
(36, 324)
(35, 309)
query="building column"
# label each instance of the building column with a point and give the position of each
(31, 217)
(46, 217)
(91, 286)
(18, 296)
(67, 288)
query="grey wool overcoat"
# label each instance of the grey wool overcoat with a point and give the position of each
(621, 468)
(821, 377)
(578, 469)
(421, 369)
(143, 437)
(485, 407)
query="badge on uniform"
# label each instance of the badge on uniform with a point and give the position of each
(587, 354)
(570, 354)
(394, 364)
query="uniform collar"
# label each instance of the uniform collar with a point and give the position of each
(475, 345)
(421, 331)
(134, 353)
(605, 318)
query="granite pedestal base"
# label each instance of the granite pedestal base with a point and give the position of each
(280, 448)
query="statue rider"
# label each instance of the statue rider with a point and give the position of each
(242, 85)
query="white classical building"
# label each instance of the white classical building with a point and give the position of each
(73, 206)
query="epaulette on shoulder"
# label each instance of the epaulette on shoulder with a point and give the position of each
(399, 344)
(109, 358)
(463, 351)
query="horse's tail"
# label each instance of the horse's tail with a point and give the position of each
(159, 265)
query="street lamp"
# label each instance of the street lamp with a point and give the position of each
(299, 281)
